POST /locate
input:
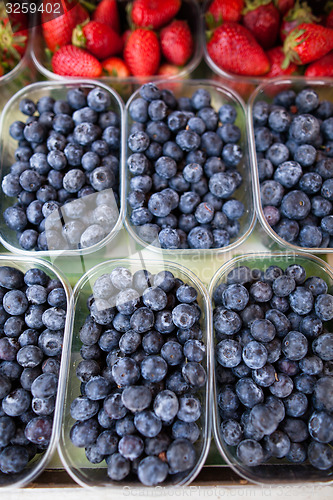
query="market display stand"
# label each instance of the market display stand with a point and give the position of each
(216, 480)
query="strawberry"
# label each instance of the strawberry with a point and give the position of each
(176, 42)
(114, 66)
(300, 13)
(142, 52)
(101, 40)
(73, 61)
(12, 44)
(321, 67)
(222, 10)
(154, 13)
(262, 18)
(57, 29)
(284, 5)
(306, 43)
(125, 36)
(234, 48)
(107, 13)
(168, 70)
(276, 57)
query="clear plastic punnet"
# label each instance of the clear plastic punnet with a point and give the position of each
(73, 458)
(273, 471)
(55, 222)
(266, 92)
(41, 460)
(220, 95)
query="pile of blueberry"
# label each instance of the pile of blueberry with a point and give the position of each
(294, 144)
(183, 164)
(274, 365)
(32, 319)
(142, 379)
(67, 150)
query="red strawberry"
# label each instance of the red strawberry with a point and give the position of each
(125, 36)
(57, 30)
(284, 5)
(114, 66)
(142, 52)
(12, 44)
(234, 48)
(107, 13)
(276, 57)
(223, 10)
(154, 13)
(101, 40)
(306, 43)
(176, 42)
(321, 67)
(168, 70)
(262, 18)
(73, 61)
(300, 13)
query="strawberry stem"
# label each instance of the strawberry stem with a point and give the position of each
(87, 5)
(78, 38)
(292, 41)
(301, 12)
(253, 5)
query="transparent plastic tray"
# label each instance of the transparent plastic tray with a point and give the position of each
(40, 461)
(245, 85)
(220, 95)
(189, 11)
(11, 112)
(74, 459)
(278, 472)
(266, 92)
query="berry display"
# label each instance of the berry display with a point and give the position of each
(13, 38)
(141, 402)
(30, 354)
(184, 160)
(293, 138)
(120, 39)
(268, 38)
(66, 186)
(274, 390)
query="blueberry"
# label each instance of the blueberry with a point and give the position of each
(320, 455)
(118, 467)
(147, 423)
(152, 471)
(250, 452)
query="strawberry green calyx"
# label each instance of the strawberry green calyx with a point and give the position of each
(78, 38)
(210, 21)
(254, 4)
(131, 24)
(90, 7)
(328, 6)
(294, 39)
(8, 41)
(302, 12)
